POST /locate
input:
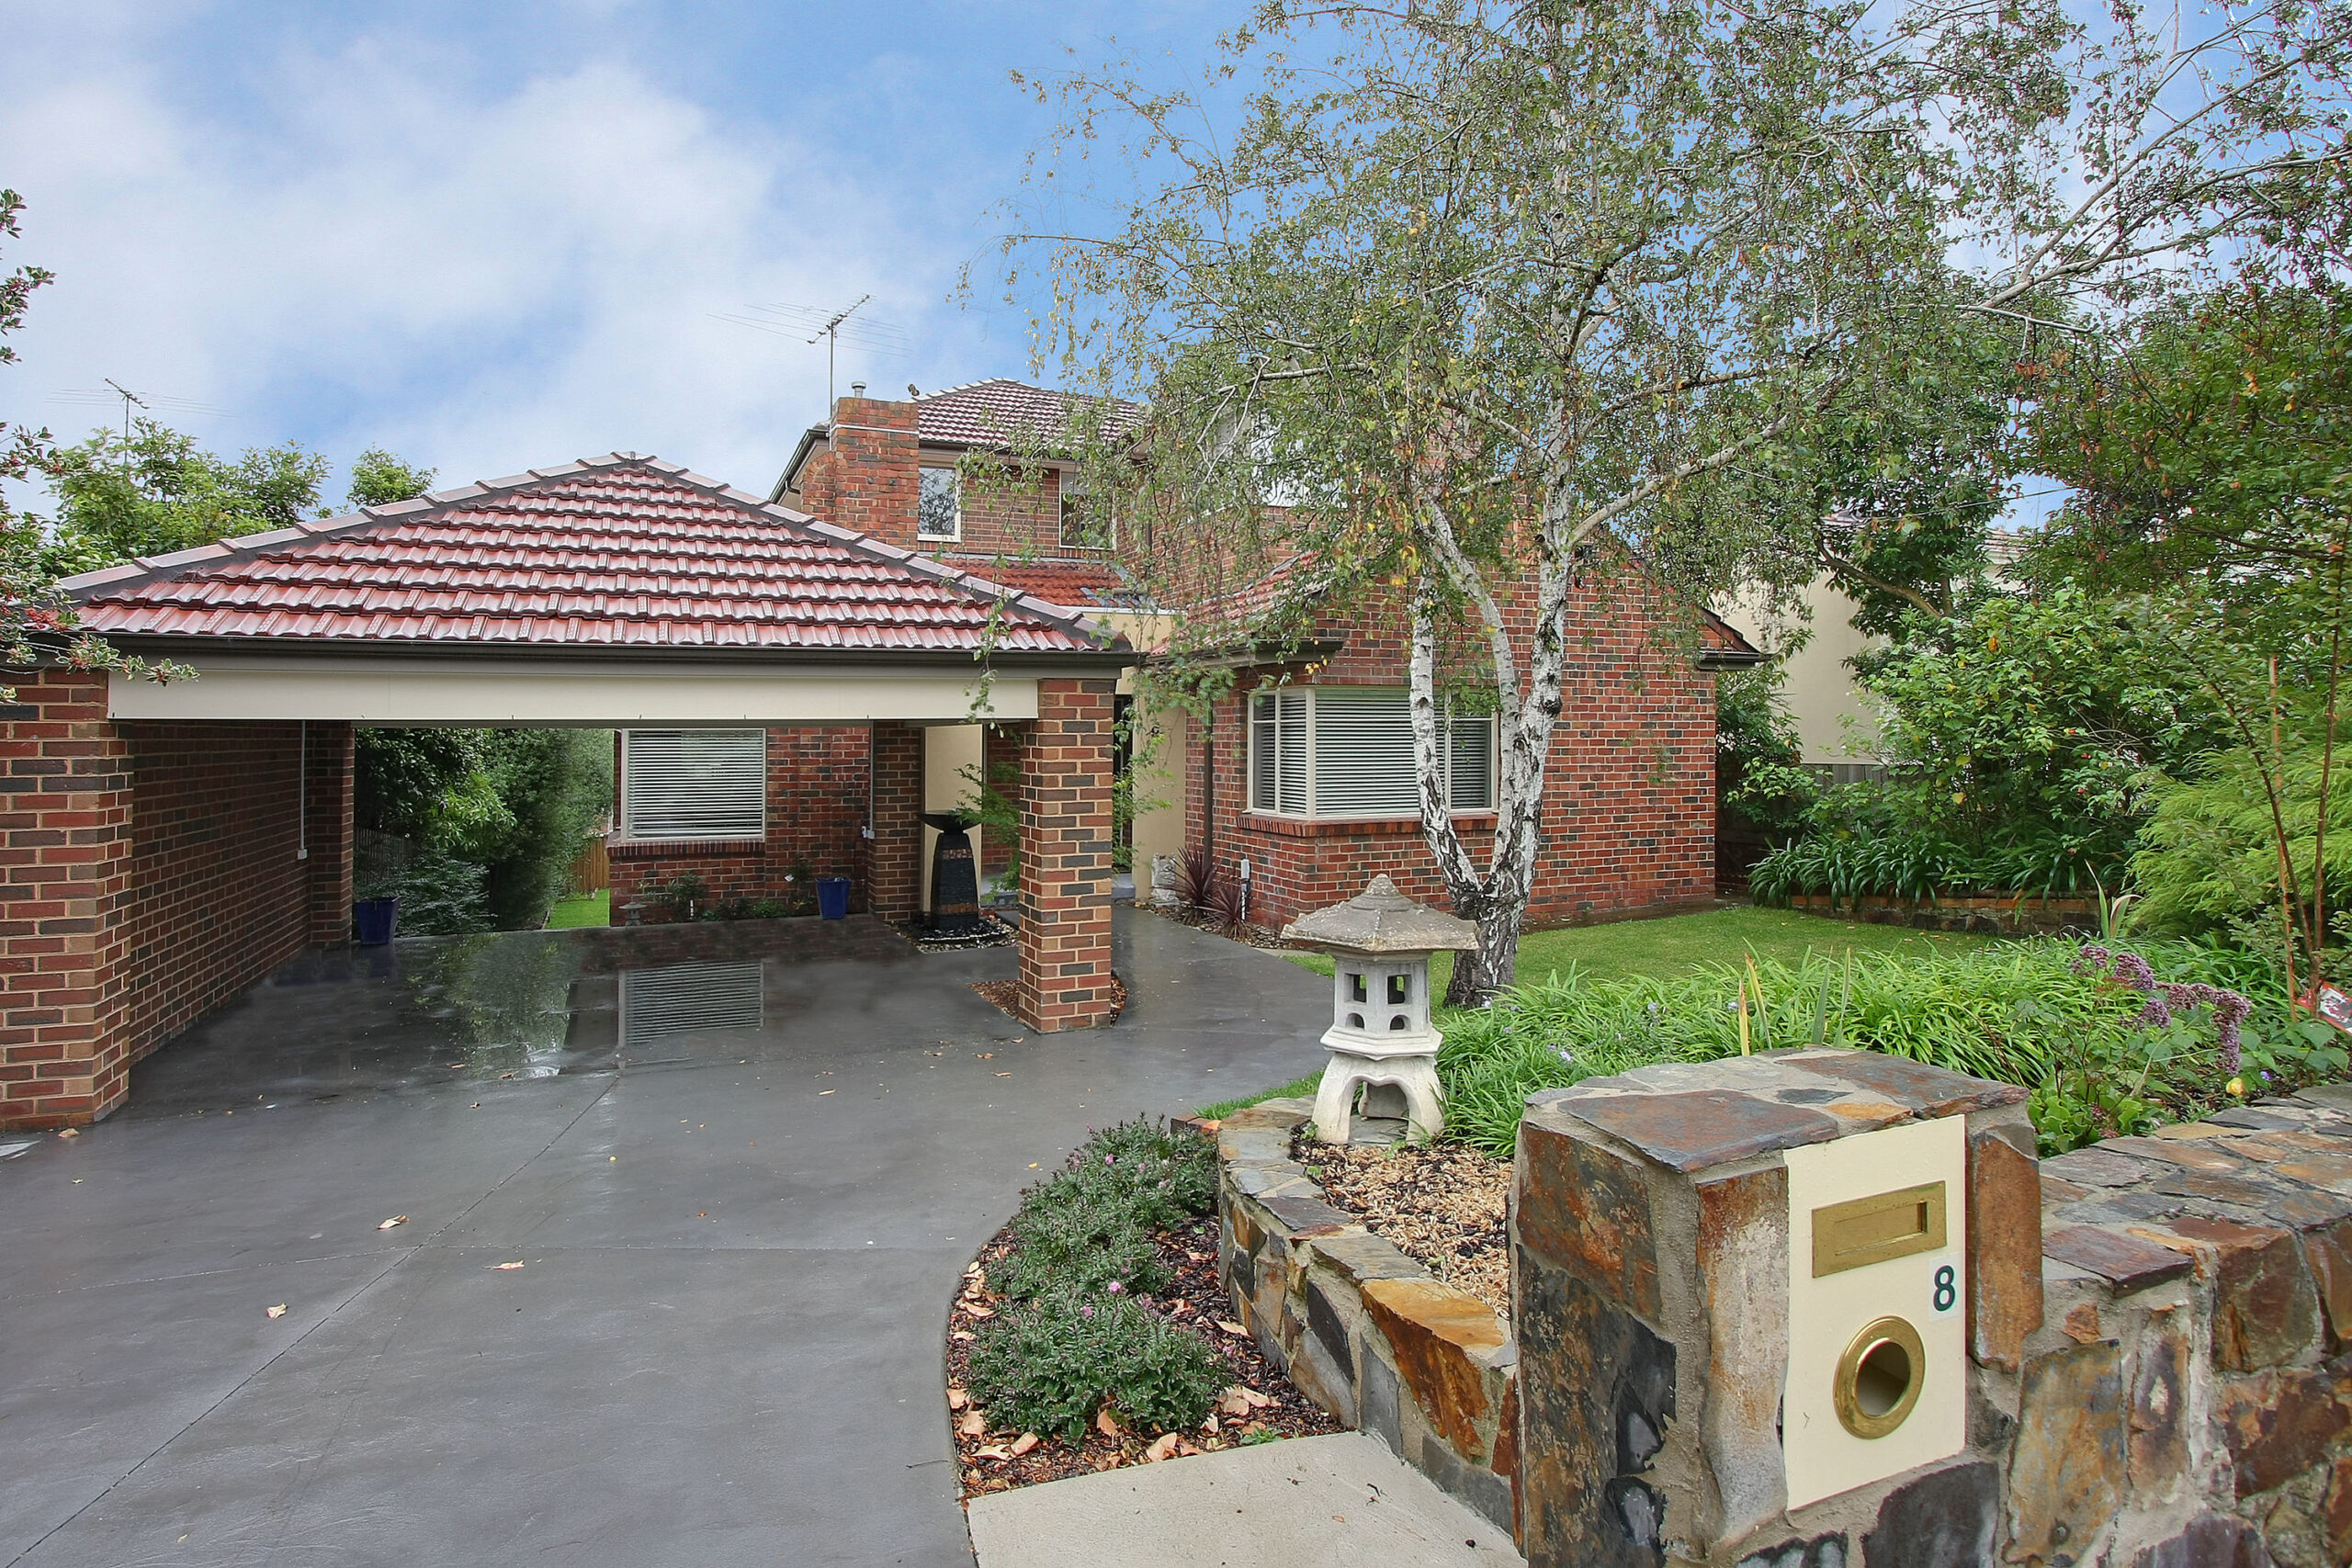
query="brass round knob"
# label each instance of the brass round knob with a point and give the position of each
(1879, 1378)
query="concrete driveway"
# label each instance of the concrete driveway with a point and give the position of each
(741, 1167)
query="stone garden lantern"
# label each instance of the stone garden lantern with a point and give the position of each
(1380, 1039)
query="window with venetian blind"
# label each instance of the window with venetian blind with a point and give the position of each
(695, 783)
(1347, 752)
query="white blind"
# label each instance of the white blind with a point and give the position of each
(1470, 763)
(682, 999)
(1356, 744)
(695, 783)
(1363, 753)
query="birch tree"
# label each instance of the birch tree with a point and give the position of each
(1511, 313)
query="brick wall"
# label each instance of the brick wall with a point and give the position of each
(66, 830)
(1628, 819)
(897, 850)
(153, 872)
(218, 893)
(866, 477)
(1065, 949)
(817, 780)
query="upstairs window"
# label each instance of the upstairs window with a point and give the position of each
(1085, 525)
(1347, 752)
(695, 783)
(938, 514)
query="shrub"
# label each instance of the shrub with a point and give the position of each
(2030, 1014)
(1049, 1365)
(440, 897)
(1077, 1232)
(1896, 862)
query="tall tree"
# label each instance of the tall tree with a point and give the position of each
(1499, 292)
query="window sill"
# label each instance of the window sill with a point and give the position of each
(658, 848)
(939, 538)
(1357, 826)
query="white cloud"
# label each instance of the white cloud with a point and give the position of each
(483, 278)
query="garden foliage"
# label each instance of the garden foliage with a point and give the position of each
(1070, 1339)
(2032, 1014)
(496, 817)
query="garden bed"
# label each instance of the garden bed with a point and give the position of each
(1259, 1403)
(1091, 1331)
(1444, 1205)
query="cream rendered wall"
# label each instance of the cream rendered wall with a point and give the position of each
(947, 750)
(1819, 687)
(1159, 829)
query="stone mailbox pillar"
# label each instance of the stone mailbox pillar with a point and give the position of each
(1766, 1309)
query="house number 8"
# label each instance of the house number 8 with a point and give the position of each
(1947, 1288)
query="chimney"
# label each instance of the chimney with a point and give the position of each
(871, 469)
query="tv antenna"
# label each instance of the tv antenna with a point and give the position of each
(153, 403)
(836, 327)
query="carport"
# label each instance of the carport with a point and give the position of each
(167, 845)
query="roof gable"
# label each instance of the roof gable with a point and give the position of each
(623, 551)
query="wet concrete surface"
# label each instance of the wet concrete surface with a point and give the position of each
(743, 1168)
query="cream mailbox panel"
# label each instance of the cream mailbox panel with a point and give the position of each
(1878, 1346)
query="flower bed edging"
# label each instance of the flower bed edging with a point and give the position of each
(1362, 1329)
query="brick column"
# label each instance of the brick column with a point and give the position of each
(65, 843)
(328, 765)
(1065, 858)
(895, 857)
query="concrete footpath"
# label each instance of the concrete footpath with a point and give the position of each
(1335, 1502)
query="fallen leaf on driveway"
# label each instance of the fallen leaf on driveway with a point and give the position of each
(395, 1220)
(76, 1131)
(1232, 1327)
(1023, 1443)
(510, 1266)
(822, 1092)
(972, 1424)
(1106, 1423)
(277, 1310)
(1163, 1446)
(1004, 1075)
(956, 1398)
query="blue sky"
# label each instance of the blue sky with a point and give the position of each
(493, 238)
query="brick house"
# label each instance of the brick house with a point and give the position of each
(165, 846)
(1304, 774)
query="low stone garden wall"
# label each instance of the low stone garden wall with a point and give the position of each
(2009, 914)
(1362, 1329)
(2157, 1330)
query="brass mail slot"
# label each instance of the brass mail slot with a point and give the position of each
(1863, 1230)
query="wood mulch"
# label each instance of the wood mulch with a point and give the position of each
(1444, 1205)
(1006, 995)
(1256, 936)
(1259, 1402)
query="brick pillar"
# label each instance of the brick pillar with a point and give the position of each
(1065, 858)
(870, 477)
(1000, 746)
(65, 843)
(895, 858)
(328, 765)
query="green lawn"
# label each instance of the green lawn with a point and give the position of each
(1682, 942)
(582, 909)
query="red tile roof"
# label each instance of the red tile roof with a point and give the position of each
(1057, 580)
(998, 412)
(623, 551)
